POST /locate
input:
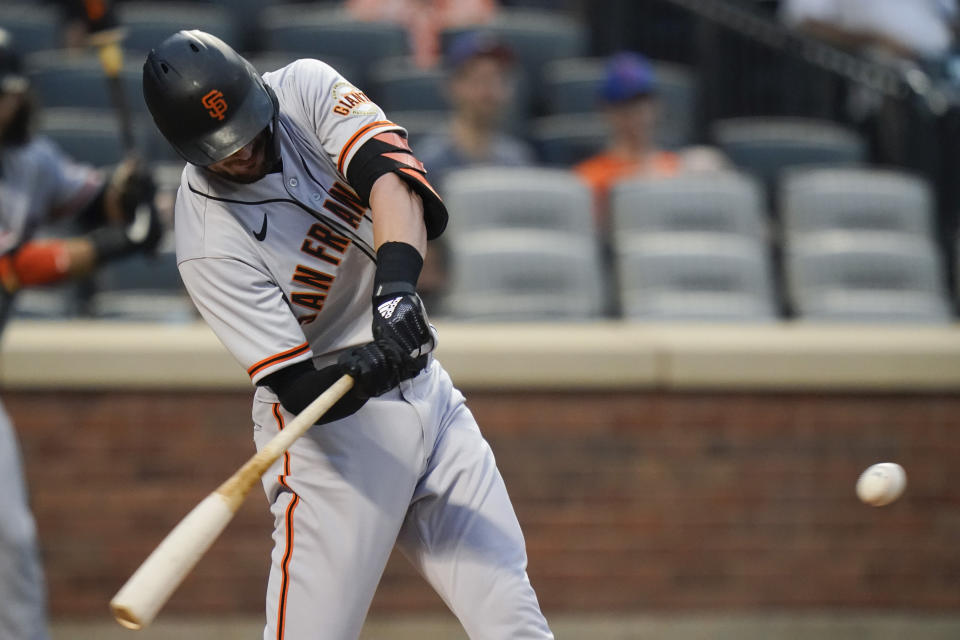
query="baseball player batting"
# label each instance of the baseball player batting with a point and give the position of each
(38, 185)
(301, 223)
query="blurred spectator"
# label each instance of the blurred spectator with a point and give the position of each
(480, 88)
(914, 29)
(425, 20)
(629, 98)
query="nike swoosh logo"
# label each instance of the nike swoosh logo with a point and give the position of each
(260, 235)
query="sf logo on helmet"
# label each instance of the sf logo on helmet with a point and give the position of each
(215, 104)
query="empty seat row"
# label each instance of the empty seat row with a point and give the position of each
(523, 246)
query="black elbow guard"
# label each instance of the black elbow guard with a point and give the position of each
(390, 153)
(299, 384)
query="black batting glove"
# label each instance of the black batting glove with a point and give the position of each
(375, 367)
(399, 316)
(398, 313)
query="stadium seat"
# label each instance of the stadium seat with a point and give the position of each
(70, 79)
(33, 27)
(765, 146)
(525, 275)
(142, 288)
(865, 277)
(397, 85)
(565, 140)
(148, 24)
(485, 199)
(700, 277)
(273, 60)
(724, 202)
(86, 135)
(853, 199)
(572, 86)
(321, 32)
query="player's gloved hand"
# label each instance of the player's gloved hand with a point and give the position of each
(399, 316)
(141, 234)
(130, 185)
(398, 313)
(375, 367)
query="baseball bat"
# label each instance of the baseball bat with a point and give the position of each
(138, 601)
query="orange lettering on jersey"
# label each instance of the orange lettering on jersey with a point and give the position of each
(350, 100)
(326, 238)
(348, 215)
(309, 248)
(346, 196)
(312, 278)
(308, 300)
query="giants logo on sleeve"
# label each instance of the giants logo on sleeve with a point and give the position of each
(350, 101)
(215, 104)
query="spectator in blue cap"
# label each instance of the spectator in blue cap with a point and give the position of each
(480, 89)
(628, 95)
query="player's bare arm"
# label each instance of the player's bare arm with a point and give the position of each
(397, 213)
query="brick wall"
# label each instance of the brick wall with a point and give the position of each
(629, 501)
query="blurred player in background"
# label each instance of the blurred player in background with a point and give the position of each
(629, 99)
(38, 184)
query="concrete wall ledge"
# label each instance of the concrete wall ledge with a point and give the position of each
(612, 356)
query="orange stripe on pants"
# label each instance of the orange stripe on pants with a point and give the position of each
(288, 521)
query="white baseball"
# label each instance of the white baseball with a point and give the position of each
(881, 484)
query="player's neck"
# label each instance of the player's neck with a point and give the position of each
(632, 149)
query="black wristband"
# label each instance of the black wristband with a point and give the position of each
(397, 262)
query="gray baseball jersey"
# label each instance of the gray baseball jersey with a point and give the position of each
(37, 183)
(282, 269)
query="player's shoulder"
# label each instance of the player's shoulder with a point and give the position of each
(203, 225)
(304, 73)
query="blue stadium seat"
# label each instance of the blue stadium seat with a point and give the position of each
(148, 23)
(68, 79)
(90, 136)
(765, 146)
(397, 85)
(320, 32)
(33, 27)
(273, 60)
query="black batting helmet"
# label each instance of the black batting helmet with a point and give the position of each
(207, 100)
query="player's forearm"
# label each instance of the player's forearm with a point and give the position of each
(397, 213)
(46, 262)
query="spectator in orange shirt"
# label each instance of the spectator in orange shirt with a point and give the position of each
(425, 20)
(629, 98)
